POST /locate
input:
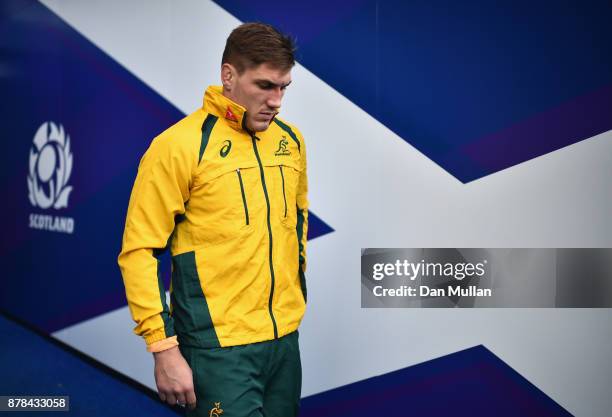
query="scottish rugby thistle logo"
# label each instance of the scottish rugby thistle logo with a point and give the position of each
(50, 167)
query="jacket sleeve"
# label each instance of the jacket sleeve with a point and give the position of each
(159, 194)
(302, 214)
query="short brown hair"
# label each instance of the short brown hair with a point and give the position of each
(253, 44)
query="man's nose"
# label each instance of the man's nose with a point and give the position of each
(275, 98)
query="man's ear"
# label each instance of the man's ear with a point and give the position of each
(228, 76)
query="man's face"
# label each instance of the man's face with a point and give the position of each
(260, 90)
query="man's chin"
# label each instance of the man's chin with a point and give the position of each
(261, 126)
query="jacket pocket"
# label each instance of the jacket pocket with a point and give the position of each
(280, 167)
(224, 207)
(244, 201)
(287, 195)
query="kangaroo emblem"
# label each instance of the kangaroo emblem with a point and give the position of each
(282, 147)
(216, 411)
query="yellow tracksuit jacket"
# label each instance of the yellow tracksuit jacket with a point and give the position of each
(232, 207)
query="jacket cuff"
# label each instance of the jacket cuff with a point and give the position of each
(164, 344)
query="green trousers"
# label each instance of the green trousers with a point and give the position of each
(255, 380)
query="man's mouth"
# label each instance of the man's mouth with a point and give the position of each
(266, 115)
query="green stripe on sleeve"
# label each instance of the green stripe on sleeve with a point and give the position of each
(207, 127)
(165, 314)
(299, 228)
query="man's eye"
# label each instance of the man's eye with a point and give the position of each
(265, 86)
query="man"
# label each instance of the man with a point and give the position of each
(225, 188)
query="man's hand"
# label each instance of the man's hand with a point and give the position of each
(174, 378)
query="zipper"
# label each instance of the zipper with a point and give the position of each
(265, 190)
(244, 202)
(283, 181)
